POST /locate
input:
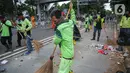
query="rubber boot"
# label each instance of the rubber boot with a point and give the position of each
(93, 36)
(98, 38)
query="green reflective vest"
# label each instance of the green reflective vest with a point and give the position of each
(87, 22)
(5, 32)
(125, 22)
(20, 26)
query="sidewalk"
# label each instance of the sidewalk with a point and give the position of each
(87, 59)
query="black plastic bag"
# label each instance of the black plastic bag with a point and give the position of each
(77, 34)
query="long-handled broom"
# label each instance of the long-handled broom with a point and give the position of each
(36, 43)
(48, 66)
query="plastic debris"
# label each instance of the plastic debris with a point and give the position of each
(30, 58)
(101, 51)
(126, 54)
(21, 60)
(4, 62)
(111, 48)
(105, 47)
(16, 58)
(19, 65)
(105, 52)
(118, 63)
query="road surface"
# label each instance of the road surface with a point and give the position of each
(37, 33)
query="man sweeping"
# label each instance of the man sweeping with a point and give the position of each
(20, 31)
(27, 26)
(64, 35)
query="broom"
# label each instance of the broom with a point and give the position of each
(48, 66)
(37, 44)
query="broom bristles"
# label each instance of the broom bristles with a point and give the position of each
(46, 68)
(37, 45)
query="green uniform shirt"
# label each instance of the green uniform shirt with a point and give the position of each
(94, 23)
(90, 17)
(27, 26)
(87, 22)
(5, 29)
(20, 26)
(64, 35)
(125, 22)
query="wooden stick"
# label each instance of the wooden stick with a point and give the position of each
(68, 11)
(54, 50)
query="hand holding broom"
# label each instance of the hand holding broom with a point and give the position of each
(70, 7)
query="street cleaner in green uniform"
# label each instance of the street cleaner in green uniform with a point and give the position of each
(6, 34)
(27, 27)
(87, 23)
(64, 35)
(99, 23)
(124, 35)
(20, 32)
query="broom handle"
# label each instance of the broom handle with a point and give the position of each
(68, 11)
(54, 50)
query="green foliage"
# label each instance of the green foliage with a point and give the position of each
(6, 7)
(30, 4)
(85, 8)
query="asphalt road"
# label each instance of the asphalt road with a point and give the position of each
(86, 59)
(37, 33)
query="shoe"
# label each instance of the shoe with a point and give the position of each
(93, 39)
(71, 71)
(27, 53)
(98, 40)
(18, 46)
(9, 50)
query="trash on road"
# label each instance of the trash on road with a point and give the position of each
(16, 58)
(21, 60)
(118, 63)
(19, 65)
(104, 49)
(4, 62)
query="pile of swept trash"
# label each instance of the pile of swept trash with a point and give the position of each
(118, 59)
